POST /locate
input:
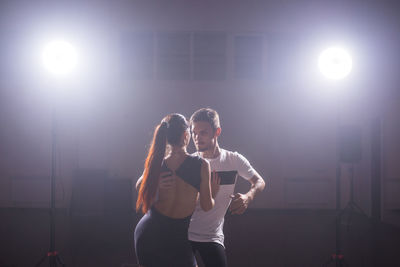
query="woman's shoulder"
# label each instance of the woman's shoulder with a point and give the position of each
(197, 160)
(195, 157)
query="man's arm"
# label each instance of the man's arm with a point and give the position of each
(240, 202)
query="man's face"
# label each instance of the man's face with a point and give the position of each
(203, 136)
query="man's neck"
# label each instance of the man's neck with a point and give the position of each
(211, 153)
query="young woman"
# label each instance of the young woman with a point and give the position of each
(161, 236)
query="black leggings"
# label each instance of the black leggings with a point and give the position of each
(162, 241)
(212, 254)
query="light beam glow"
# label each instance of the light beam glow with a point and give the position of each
(335, 63)
(59, 57)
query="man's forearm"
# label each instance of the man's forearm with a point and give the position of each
(257, 186)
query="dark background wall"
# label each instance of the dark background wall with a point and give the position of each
(140, 60)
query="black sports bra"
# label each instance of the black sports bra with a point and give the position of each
(189, 170)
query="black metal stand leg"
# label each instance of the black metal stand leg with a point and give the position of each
(54, 259)
(351, 209)
(52, 255)
(41, 261)
(60, 261)
(338, 260)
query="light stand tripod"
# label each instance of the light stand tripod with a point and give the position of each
(53, 255)
(59, 58)
(338, 257)
(351, 208)
(335, 63)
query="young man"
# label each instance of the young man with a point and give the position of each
(206, 228)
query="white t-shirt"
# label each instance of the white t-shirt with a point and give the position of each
(208, 226)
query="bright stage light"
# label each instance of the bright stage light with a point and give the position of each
(59, 57)
(335, 63)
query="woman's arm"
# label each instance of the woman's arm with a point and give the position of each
(206, 200)
(139, 181)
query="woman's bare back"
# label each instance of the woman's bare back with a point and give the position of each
(179, 200)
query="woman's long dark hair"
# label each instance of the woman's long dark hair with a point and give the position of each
(170, 131)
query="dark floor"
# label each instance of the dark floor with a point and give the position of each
(278, 238)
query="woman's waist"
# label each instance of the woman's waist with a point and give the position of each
(174, 210)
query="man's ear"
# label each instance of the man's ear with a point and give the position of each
(217, 132)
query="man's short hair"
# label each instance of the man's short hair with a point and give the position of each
(208, 115)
